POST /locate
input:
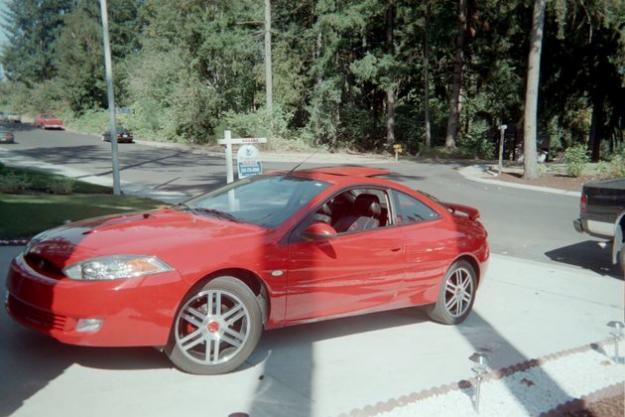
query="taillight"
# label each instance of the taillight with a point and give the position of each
(583, 204)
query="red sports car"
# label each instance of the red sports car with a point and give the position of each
(48, 121)
(204, 279)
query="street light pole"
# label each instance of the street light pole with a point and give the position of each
(268, 73)
(111, 96)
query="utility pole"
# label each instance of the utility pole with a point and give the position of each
(268, 73)
(111, 98)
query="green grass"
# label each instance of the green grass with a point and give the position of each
(23, 215)
(23, 180)
(32, 201)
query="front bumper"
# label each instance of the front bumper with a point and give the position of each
(135, 311)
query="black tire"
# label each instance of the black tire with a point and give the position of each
(189, 353)
(445, 311)
(622, 259)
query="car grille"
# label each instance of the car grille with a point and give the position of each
(43, 266)
(35, 316)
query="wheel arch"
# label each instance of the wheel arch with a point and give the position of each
(474, 263)
(249, 278)
(618, 243)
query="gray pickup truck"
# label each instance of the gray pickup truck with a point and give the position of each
(602, 214)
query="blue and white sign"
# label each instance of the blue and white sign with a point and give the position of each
(248, 161)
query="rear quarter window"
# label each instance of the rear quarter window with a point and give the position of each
(409, 210)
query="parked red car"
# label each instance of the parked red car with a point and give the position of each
(48, 121)
(204, 279)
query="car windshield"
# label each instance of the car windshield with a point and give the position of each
(265, 201)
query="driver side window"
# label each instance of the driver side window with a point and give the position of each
(355, 210)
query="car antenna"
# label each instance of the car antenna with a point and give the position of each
(300, 164)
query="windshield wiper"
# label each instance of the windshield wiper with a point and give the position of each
(213, 212)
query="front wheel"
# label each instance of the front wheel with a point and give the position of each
(216, 328)
(457, 294)
(622, 258)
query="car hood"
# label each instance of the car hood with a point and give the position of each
(159, 233)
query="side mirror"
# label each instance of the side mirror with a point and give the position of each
(318, 232)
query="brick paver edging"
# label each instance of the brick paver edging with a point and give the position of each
(389, 405)
(587, 400)
(13, 242)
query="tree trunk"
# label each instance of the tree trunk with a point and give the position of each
(426, 77)
(531, 92)
(390, 89)
(455, 105)
(596, 128)
(390, 116)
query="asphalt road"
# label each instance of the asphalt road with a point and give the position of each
(521, 223)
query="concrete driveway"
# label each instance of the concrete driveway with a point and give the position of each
(524, 310)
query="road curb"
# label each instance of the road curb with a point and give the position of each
(478, 173)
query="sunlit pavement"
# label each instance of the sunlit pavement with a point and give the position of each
(524, 310)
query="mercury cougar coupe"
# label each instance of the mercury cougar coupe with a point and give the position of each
(204, 279)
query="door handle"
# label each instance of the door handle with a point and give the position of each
(396, 249)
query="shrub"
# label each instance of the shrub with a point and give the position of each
(13, 184)
(476, 142)
(576, 158)
(617, 165)
(61, 186)
(615, 168)
(91, 121)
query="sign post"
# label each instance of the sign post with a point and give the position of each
(502, 131)
(228, 141)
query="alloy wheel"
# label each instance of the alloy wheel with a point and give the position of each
(458, 292)
(212, 327)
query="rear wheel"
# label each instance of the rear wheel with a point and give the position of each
(216, 328)
(622, 258)
(457, 294)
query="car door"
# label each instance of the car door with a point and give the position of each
(429, 248)
(355, 272)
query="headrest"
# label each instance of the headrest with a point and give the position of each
(344, 199)
(325, 209)
(368, 205)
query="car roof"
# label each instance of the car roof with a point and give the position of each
(344, 175)
(336, 173)
(346, 171)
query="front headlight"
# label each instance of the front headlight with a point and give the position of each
(116, 267)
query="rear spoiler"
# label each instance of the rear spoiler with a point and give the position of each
(470, 212)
